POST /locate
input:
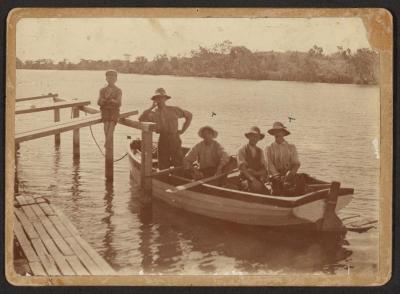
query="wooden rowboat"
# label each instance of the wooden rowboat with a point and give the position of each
(230, 204)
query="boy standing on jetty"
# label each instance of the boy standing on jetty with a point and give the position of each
(110, 102)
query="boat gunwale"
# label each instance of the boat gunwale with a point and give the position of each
(226, 193)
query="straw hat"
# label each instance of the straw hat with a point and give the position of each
(111, 72)
(278, 126)
(202, 129)
(255, 130)
(160, 92)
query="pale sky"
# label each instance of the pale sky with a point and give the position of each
(111, 38)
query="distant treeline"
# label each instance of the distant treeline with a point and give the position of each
(227, 61)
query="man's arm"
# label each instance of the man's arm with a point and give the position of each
(147, 115)
(295, 162)
(190, 157)
(241, 159)
(100, 101)
(118, 98)
(272, 171)
(224, 158)
(188, 119)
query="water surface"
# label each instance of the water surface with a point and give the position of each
(335, 129)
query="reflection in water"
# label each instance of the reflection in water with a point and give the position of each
(174, 241)
(76, 183)
(145, 215)
(109, 252)
(164, 240)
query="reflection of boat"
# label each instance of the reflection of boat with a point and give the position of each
(228, 203)
(222, 246)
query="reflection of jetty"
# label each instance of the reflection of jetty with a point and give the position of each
(48, 240)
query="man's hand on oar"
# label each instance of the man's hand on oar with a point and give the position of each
(165, 171)
(199, 182)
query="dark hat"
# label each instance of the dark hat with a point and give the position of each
(202, 129)
(255, 130)
(111, 72)
(278, 126)
(160, 92)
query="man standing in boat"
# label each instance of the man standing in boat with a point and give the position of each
(166, 119)
(283, 163)
(110, 102)
(209, 154)
(251, 163)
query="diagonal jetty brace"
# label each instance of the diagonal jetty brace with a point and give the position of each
(64, 126)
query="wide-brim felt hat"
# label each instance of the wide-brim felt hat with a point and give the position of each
(255, 130)
(202, 129)
(278, 126)
(160, 93)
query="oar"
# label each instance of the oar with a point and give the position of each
(164, 171)
(199, 182)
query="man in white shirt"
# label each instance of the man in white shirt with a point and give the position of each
(283, 163)
(210, 156)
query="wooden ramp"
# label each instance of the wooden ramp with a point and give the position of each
(52, 106)
(51, 244)
(64, 126)
(50, 95)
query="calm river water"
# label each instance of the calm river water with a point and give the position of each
(335, 129)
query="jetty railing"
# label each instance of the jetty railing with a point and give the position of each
(76, 123)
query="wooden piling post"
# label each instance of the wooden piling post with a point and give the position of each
(109, 159)
(56, 119)
(146, 161)
(57, 137)
(76, 143)
(330, 221)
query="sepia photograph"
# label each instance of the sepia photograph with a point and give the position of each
(199, 146)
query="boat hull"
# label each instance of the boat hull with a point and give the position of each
(236, 206)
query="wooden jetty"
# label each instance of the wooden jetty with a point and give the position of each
(51, 244)
(76, 123)
(49, 241)
(52, 106)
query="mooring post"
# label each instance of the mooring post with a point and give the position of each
(146, 160)
(56, 119)
(76, 151)
(330, 221)
(109, 158)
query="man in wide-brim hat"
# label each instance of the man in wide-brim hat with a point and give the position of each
(282, 161)
(210, 156)
(160, 93)
(166, 119)
(251, 162)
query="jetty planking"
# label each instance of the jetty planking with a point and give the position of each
(51, 244)
(64, 126)
(51, 106)
(50, 95)
(123, 121)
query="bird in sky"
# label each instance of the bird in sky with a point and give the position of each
(213, 114)
(291, 118)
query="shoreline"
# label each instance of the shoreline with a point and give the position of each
(208, 77)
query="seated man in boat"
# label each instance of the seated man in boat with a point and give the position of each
(283, 164)
(166, 119)
(110, 102)
(251, 163)
(209, 154)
